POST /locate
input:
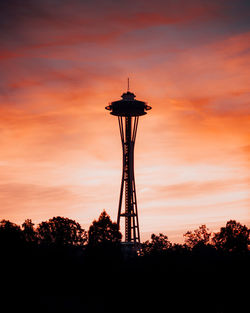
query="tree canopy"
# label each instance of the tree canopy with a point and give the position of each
(198, 236)
(61, 231)
(156, 245)
(29, 231)
(10, 233)
(104, 231)
(232, 238)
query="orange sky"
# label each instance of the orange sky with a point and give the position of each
(63, 61)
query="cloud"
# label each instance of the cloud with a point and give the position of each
(38, 24)
(30, 200)
(63, 61)
(196, 189)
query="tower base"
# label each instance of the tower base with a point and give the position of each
(130, 250)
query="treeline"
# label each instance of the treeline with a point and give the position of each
(59, 232)
(60, 267)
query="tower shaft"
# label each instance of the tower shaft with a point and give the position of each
(128, 128)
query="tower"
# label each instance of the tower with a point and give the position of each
(128, 110)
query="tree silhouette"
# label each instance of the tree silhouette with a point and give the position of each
(29, 231)
(104, 231)
(12, 244)
(10, 234)
(61, 231)
(232, 238)
(158, 244)
(199, 236)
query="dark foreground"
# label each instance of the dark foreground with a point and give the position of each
(72, 280)
(58, 267)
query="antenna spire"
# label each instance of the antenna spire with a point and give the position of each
(128, 84)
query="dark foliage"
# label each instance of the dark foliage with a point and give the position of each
(11, 235)
(199, 236)
(232, 238)
(29, 232)
(60, 231)
(157, 245)
(104, 231)
(104, 240)
(52, 268)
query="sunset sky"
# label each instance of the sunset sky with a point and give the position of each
(63, 61)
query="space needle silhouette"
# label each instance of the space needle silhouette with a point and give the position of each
(128, 110)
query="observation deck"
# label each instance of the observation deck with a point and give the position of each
(128, 106)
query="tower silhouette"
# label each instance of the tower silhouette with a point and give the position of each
(128, 111)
